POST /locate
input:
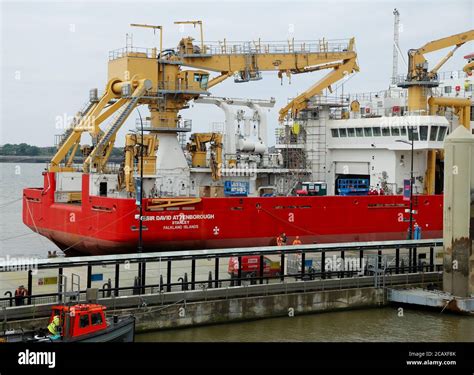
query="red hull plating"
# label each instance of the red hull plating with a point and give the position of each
(101, 225)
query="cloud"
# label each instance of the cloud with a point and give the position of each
(61, 48)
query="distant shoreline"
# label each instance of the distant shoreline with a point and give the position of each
(24, 159)
(39, 159)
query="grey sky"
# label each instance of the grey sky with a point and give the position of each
(54, 52)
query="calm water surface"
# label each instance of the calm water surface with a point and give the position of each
(357, 325)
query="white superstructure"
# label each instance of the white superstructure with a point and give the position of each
(374, 142)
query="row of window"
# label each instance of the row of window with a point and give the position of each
(437, 133)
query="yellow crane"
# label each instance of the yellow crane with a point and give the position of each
(133, 144)
(419, 79)
(197, 146)
(118, 99)
(339, 71)
(469, 67)
(159, 80)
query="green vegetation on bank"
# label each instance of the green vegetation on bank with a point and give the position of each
(24, 149)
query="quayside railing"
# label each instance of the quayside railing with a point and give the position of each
(164, 272)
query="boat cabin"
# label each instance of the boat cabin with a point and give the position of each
(79, 319)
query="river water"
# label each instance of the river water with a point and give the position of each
(359, 325)
(16, 239)
(369, 325)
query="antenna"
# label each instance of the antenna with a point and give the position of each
(128, 41)
(396, 48)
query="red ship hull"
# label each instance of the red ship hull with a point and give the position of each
(103, 225)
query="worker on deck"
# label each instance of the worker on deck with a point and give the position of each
(20, 294)
(297, 241)
(53, 328)
(417, 231)
(283, 239)
(279, 240)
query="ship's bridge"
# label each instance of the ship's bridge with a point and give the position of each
(392, 133)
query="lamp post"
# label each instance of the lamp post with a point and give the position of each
(410, 232)
(411, 130)
(140, 227)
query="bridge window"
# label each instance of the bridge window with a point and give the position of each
(334, 133)
(395, 131)
(413, 134)
(351, 132)
(403, 131)
(368, 132)
(433, 133)
(343, 132)
(442, 133)
(423, 133)
(376, 131)
(386, 132)
(359, 132)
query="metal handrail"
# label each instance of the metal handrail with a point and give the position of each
(222, 253)
(265, 47)
(178, 124)
(124, 51)
(232, 281)
(371, 95)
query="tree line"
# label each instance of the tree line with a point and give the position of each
(24, 149)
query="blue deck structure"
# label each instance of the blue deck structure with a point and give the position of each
(353, 186)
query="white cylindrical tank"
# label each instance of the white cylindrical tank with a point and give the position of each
(245, 145)
(251, 146)
(260, 148)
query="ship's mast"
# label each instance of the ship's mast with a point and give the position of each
(396, 48)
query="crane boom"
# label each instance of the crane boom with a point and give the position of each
(171, 86)
(419, 78)
(452, 40)
(417, 64)
(198, 150)
(252, 58)
(299, 103)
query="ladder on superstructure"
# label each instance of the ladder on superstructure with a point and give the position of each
(61, 138)
(116, 122)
